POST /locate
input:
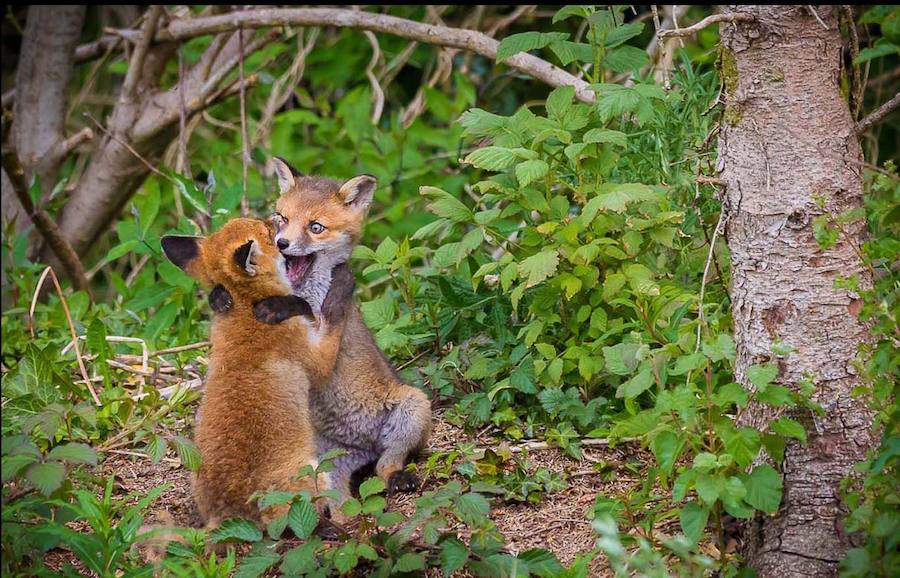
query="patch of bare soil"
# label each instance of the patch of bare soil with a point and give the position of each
(557, 523)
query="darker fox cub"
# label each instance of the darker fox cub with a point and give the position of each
(254, 431)
(364, 408)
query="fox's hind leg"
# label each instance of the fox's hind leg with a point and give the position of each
(404, 432)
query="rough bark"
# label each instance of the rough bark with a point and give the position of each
(42, 79)
(787, 140)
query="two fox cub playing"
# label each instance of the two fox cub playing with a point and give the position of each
(294, 371)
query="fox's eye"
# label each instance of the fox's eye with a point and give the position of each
(316, 227)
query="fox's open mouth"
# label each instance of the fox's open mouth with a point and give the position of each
(297, 266)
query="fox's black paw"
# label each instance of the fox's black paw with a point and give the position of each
(402, 481)
(274, 310)
(340, 293)
(220, 299)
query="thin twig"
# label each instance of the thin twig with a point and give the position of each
(184, 167)
(62, 298)
(812, 9)
(712, 19)
(377, 92)
(709, 258)
(181, 348)
(245, 150)
(48, 228)
(878, 114)
(857, 92)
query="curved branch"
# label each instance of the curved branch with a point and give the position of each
(43, 223)
(878, 114)
(712, 19)
(427, 33)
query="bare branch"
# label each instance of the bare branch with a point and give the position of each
(136, 66)
(43, 223)
(878, 114)
(245, 145)
(426, 33)
(712, 19)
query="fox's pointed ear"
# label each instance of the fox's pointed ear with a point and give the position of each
(358, 191)
(243, 256)
(286, 174)
(181, 250)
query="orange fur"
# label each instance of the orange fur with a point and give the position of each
(254, 430)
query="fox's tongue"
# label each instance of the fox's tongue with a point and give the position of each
(297, 266)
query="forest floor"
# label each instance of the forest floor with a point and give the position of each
(558, 522)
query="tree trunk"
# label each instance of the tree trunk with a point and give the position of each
(788, 143)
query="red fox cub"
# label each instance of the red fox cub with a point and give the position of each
(254, 431)
(364, 408)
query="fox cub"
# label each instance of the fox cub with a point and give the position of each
(254, 431)
(364, 408)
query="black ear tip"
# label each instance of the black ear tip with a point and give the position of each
(290, 167)
(179, 249)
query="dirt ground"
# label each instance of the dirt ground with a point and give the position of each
(558, 523)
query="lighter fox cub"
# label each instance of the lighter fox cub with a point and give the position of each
(362, 407)
(254, 431)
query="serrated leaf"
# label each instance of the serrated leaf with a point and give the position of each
(443, 204)
(75, 453)
(302, 518)
(254, 564)
(46, 477)
(409, 562)
(787, 427)
(542, 563)
(530, 171)
(605, 135)
(454, 555)
(623, 358)
(667, 446)
(472, 508)
(721, 348)
(538, 267)
(626, 59)
(637, 384)
(525, 41)
(764, 486)
(762, 375)
(12, 465)
(188, 453)
(693, 518)
(236, 530)
(617, 197)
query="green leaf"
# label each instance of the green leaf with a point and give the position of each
(491, 158)
(236, 530)
(742, 443)
(472, 508)
(721, 348)
(617, 197)
(345, 558)
(12, 465)
(560, 101)
(705, 461)
(542, 563)
(446, 205)
(667, 446)
(693, 518)
(626, 59)
(687, 363)
(637, 384)
(762, 375)
(530, 171)
(75, 453)
(776, 396)
(623, 33)
(731, 393)
(480, 123)
(787, 427)
(260, 559)
(764, 486)
(525, 41)
(409, 562)
(352, 507)
(370, 487)
(188, 453)
(623, 358)
(46, 477)
(454, 555)
(367, 552)
(538, 267)
(605, 135)
(302, 518)
(301, 559)
(709, 487)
